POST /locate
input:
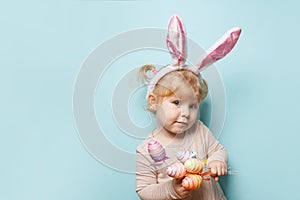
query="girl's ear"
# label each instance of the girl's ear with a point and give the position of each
(152, 102)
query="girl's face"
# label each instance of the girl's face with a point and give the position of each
(177, 113)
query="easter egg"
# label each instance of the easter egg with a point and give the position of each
(183, 155)
(156, 151)
(193, 165)
(176, 170)
(192, 182)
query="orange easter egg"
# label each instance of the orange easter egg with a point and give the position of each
(192, 182)
(193, 165)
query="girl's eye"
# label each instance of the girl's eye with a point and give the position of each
(193, 106)
(176, 103)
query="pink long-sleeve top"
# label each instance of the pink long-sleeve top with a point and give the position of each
(152, 181)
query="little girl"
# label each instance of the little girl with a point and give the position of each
(174, 95)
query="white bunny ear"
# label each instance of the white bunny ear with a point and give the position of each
(220, 49)
(176, 41)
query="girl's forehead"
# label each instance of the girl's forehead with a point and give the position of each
(185, 94)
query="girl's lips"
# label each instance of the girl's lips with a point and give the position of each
(184, 123)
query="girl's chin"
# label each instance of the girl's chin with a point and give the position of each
(177, 131)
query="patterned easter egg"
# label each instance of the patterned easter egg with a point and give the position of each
(193, 165)
(183, 155)
(192, 181)
(176, 170)
(156, 151)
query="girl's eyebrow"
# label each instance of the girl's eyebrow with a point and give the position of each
(174, 97)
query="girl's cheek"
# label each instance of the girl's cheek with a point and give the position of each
(194, 114)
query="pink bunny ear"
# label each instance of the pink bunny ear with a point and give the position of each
(220, 49)
(176, 40)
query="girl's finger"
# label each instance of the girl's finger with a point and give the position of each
(222, 170)
(216, 178)
(213, 171)
(219, 169)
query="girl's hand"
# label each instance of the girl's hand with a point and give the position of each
(181, 191)
(217, 168)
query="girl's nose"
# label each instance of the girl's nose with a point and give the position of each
(185, 111)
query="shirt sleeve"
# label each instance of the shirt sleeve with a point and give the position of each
(147, 185)
(215, 151)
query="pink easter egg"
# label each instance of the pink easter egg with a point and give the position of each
(183, 155)
(156, 151)
(176, 170)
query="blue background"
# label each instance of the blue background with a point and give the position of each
(43, 45)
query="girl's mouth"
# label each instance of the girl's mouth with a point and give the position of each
(183, 123)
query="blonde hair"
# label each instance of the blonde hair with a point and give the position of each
(172, 81)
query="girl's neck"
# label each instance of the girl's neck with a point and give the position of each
(165, 137)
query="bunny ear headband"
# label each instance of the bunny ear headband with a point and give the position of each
(176, 43)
